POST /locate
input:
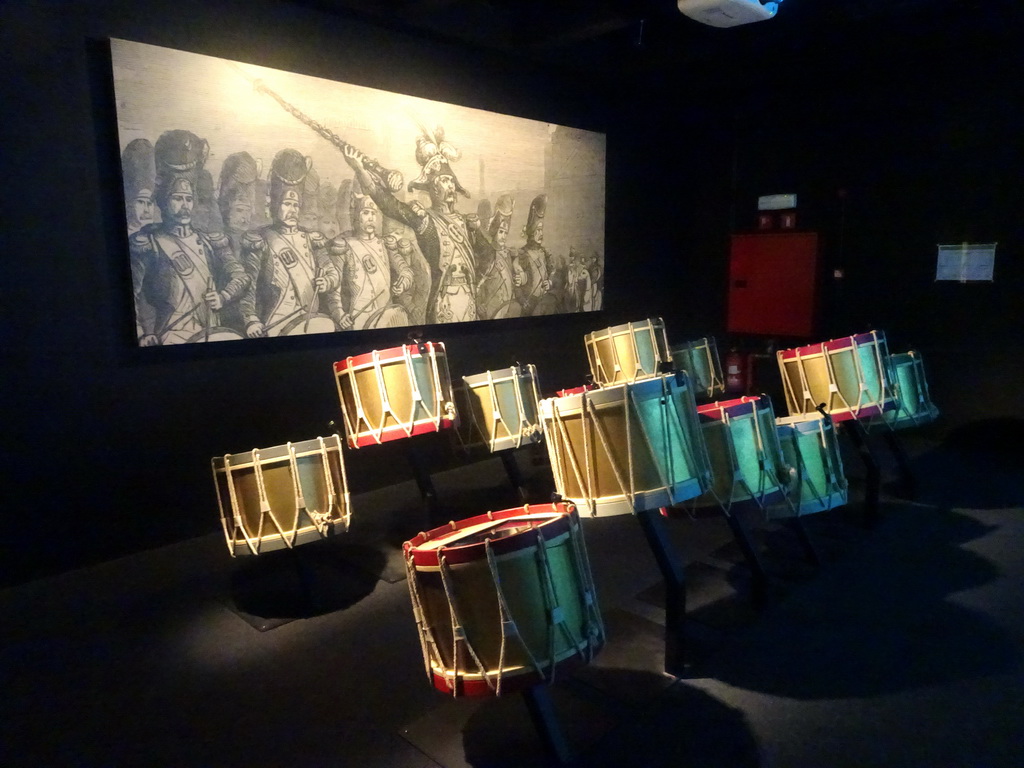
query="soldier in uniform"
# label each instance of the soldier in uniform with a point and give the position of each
(184, 277)
(579, 286)
(496, 289)
(371, 274)
(139, 166)
(447, 238)
(288, 265)
(534, 266)
(237, 196)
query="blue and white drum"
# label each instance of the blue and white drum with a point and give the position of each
(281, 497)
(627, 448)
(627, 352)
(906, 370)
(502, 408)
(700, 360)
(817, 482)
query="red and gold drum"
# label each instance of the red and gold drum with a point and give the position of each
(850, 376)
(395, 393)
(505, 600)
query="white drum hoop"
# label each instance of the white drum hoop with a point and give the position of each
(677, 426)
(360, 431)
(651, 328)
(271, 533)
(522, 431)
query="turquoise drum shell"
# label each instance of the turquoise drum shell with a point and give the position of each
(516, 397)
(742, 471)
(699, 358)
(643, 435)
(911, 387)
(810, 449)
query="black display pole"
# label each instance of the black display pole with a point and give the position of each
(872, 475)
(908, 483)
(671, 567)
(515, 477)
(542, 712)
(759, 578)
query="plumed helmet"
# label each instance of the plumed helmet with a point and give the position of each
(502, 213)
(288, 175)
(179, 157)
(238, 182)
(537, 208)
(435, 156)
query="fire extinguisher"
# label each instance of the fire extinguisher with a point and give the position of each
(735, 372)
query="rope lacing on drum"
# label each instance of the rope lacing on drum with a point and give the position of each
(459, 634)
(414, 387)
(300, 501)
(432, 657)
(593, 624)
(584, 482)
(626, 488)
(230, 529)
(265, 508)
(509, 628)
(440, 407)
(261, 490)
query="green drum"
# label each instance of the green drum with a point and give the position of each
(627, 448)
(817, 482)
(502, 408)
(906, 370)
(700, 361)
(746, 459)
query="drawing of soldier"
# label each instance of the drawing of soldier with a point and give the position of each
(579, 285)
(534, 266)
(372, 274)
(288, 265)
(139, 167)
(237, 196)
(185, 276)
(446, 238)
(496, 288)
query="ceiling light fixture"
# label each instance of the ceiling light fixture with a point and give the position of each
(727, 13)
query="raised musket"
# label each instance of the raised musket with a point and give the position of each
(393, 179)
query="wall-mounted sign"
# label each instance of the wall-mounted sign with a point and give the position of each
(966, 262)
(269, 203)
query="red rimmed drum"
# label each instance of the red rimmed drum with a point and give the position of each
(746, 458)
(394, 393)
(848, 375)
(504, 600)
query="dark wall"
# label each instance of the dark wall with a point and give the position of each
(110, 444)
(893, 144)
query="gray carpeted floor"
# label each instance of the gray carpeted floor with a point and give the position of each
(903, 648)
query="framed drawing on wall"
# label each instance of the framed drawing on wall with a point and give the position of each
(268, 203)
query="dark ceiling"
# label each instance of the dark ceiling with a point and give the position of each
(627, 37)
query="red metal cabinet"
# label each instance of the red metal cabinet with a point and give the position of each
(773, 281)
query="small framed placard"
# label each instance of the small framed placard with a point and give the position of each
(966, 262)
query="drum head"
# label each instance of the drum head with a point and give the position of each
(214, 333)
(299, 326)
(390, 316)
(509, 309)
